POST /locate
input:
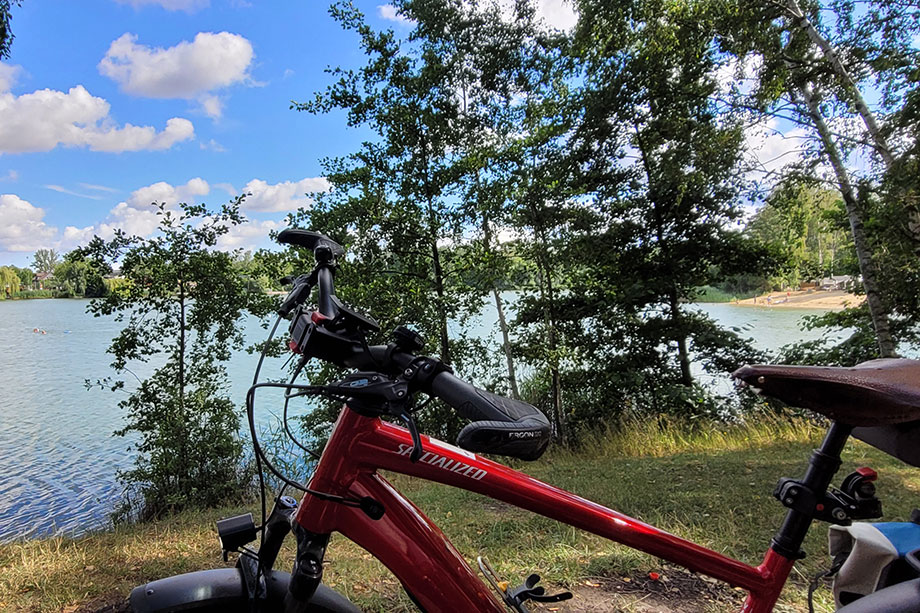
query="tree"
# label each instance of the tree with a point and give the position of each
(657, 162)
(182, 302)
(6, 33)
(396, 200)
(9, 282)
(45, 260)
(78, 277)
(805, 226)
(815, 57)
(25, 277)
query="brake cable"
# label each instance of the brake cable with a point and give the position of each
(371, 507)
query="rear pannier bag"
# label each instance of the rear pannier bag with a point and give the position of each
(874, 557)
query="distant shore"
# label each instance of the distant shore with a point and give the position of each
(815, 299)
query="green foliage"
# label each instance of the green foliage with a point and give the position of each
(181, 301)
(25, 277)
(6, 33)
(805, 227)
(45, 260)
(78, 277)
(621, 187)
(10, 282)
(708, 293)
(35, 293)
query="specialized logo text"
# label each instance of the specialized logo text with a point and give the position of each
(439, 461)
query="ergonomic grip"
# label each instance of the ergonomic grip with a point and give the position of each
(500, 425)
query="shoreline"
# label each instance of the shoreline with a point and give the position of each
(833, 300)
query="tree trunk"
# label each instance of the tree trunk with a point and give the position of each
(683, 356)
(877, 307)
(506, 344)
(183, 471)
(880, 143)
(547, 297)
(440, 301)
(499, 308)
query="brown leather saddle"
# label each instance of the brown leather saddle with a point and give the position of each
(874, 393)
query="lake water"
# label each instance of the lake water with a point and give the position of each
(58, 460)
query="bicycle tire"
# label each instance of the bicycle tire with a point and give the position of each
(222, 590)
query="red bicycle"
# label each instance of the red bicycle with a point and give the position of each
(346, 493)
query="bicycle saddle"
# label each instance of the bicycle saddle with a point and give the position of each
(874, 393)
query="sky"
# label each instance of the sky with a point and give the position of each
(109, 105)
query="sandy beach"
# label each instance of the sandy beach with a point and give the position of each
(815, 299)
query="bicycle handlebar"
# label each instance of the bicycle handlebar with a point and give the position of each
(499, 425)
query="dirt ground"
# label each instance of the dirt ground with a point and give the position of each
(672, 590)
(803, 300)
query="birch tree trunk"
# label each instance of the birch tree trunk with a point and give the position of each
(880, 143)
(877, 308)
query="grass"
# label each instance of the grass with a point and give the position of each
(708, 484)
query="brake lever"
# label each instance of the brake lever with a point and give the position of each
(298, 294)
(417, 449)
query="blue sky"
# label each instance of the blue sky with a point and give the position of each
(108, 105)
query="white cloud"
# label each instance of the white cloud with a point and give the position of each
(389, 13)
(189, 6)
(248, 235)
(558, 14)
(189, 70)
(772, 149)
(212, 106)
(286, 196)
(8, 76)
(228, 187)
(98, 188)
(22, 228)
(64, 190)
(212, 145)
(46, 118)
(137, 214)
(11, 176)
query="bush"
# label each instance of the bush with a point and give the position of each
(34, 293)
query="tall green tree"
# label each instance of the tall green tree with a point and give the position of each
(9, 282)
(45, 260)
(181, 305)
(805, 226)
(78, 277)
(659, 162)
(397, 201)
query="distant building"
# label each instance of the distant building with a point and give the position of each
(39, 280)
(836, 282)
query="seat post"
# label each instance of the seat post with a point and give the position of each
(824, 463)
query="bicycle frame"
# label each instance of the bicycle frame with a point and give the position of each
(436, 576)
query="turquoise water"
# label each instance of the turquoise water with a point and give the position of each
(58, 460)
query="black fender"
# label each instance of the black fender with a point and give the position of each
(223, 590)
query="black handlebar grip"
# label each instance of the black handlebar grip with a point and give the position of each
(479, 405)
(500, 425)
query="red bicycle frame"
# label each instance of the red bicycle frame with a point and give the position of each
(426, 563)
